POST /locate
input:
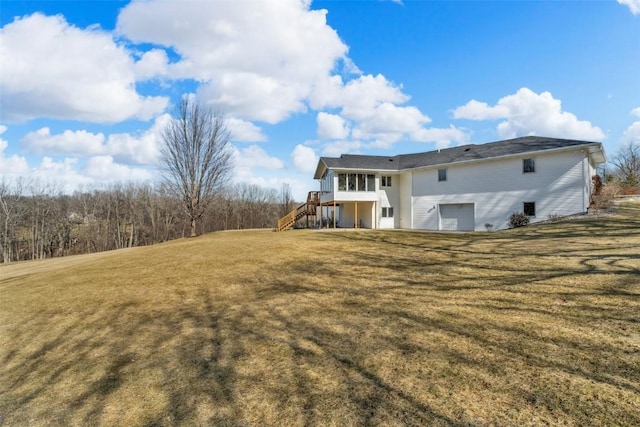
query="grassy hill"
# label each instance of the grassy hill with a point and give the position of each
(530, 326)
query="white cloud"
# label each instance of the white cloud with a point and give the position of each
(632, 133)
(104, 168)
(633, 5)
(529, 113)
(331, 126)
(443, 137)
(371, 112)
(52, 69)
(69, 142)
(243, 131)
(153, 63)
(304, 158)
(14, 164)
(388, 123)
(258, 62)
(143, 149)
(256, 157)
(336, 148)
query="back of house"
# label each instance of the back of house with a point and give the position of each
(465, 188)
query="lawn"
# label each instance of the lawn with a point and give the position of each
(533, 326)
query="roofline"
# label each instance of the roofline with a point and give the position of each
(506, 156)
(597, 145)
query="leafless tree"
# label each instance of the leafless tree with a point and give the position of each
(196, 158)
(627, 163)
(286, 199)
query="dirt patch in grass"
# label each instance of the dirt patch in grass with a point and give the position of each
(533, 326)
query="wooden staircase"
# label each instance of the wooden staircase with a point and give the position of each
(306, 209)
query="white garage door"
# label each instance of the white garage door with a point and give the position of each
(457, 217)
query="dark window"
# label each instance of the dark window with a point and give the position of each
(442, 174)
(529, 208)
(342, 182)
(386, 181)
(352, 182)
(362, 182)
(528, 165)
(387, 212)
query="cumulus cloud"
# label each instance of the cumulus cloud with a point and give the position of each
(336, 148)
(633, 5)
(14, 164)
(331, 126)
(244, 131)
(529, 113)
(255, 63)
(632, 133)
(68, 142)
(256, 157)
(441, 136)
(52, 69)
(304, 158)
(143, 149)
(105, 168)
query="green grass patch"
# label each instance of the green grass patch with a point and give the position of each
(531, 326)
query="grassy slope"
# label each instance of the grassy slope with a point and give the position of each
(520, 327)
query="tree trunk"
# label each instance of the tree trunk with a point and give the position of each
(193, 227)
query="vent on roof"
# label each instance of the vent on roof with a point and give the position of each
(390, 159)
(467, 149)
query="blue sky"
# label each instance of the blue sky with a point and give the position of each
(85, 86)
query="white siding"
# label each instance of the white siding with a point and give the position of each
(405, 207)
(498, 188)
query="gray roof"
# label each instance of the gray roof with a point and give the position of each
(463, 153)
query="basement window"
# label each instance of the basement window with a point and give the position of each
(442, 174)
(529, 208)
(528, 165)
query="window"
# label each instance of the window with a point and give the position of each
(529, 208)
(362, 182)
(352, 182)
(371, 182)
(442, 174)
(342, 182)
(386, 181)
(387, 212)
(528, 165)
(356, 182)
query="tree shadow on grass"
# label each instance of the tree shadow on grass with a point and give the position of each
(376, 332)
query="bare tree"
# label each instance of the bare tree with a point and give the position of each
(627, 163)
(196, 159)
(286, 200)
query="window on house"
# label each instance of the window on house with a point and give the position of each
(528, 165)
(362, 182)
(342, 182)
(442, 174)
(371, 183)
(386, 181)
(351, 183)
(387, 212)
(529, 208)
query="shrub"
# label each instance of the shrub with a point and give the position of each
(488, 226)
(518, 219)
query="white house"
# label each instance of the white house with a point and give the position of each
(471, 187)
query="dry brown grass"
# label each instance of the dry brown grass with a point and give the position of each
(533, 326)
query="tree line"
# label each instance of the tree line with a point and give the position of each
(39, 221)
